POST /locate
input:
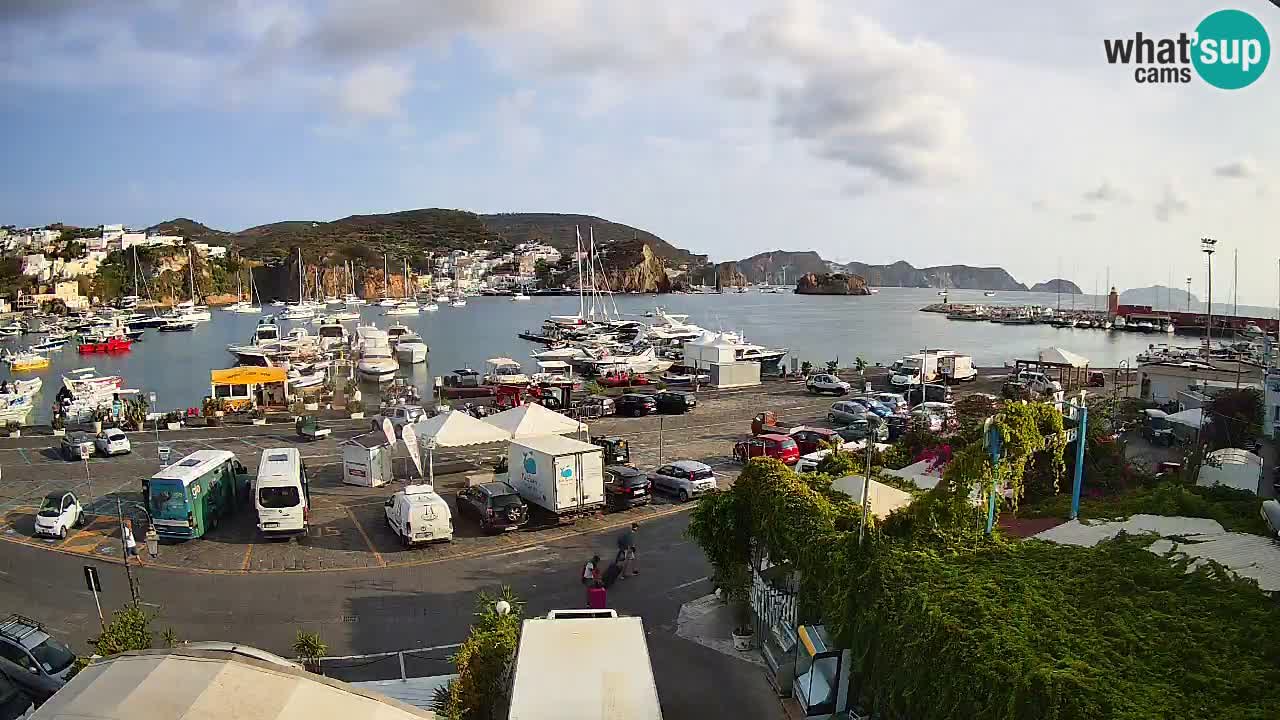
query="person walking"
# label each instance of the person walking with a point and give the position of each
(627, 551)
(130, 545)
(591, 571)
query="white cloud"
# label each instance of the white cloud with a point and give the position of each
(1237, 169)
(516, 130)
(1171, 203)
(375, 89)
(858, 95)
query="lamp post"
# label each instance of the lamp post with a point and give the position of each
(1207, 246)
(1188, 293)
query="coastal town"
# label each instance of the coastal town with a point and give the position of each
(797, 360)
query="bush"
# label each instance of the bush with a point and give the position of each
(479, 692)
(309, 648)
(355, 406)
(1236, 510)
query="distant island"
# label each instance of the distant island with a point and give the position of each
(1158, 296)
(1057, 285)
(831, 284)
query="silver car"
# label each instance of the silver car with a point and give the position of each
(845, 412)
(684, 478)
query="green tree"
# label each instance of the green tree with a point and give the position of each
(309, 648)
(479, 692)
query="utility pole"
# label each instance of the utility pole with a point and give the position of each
(1207, 246)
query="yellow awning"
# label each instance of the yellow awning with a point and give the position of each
(248, 376)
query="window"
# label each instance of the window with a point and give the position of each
(53, 656)
(15, 654)
(167, 500)
(278, 497)
(1275, 414)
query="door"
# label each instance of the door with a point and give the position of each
(568, 481)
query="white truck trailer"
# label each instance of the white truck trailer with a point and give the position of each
(561, 475)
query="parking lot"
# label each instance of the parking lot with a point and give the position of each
(347, 528)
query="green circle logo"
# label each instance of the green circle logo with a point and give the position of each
(1232, 49)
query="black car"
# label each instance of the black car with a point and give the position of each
(860, 429)
(671, 401)
(496, 504)
(37, 687)
(635, 405)
(27, 644)
(897, 425)
(932, 393)
(626, 487)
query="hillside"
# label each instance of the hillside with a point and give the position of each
(411, 233)
(769, 267)
(964, 277)
(1157, 296)
(557, 230)
(1057, 285)
(188, 228)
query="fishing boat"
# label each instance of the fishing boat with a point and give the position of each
(411, 348)
(103, 344)
(177, 325)
(49, 345)
(14, 407)
(25, 360)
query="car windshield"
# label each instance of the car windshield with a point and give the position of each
(53, 656)
(706, 473)
(502, 501)
(278, 497)
(52, 506)
(787, 444)
(168, 500)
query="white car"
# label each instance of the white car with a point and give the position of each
(1038, 382)
(826, 383)
(58, 514)
(895, 401)
(417, 514)
(113, 441)
(400, 415)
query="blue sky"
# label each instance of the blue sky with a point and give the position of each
(990, 133)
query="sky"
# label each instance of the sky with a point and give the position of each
(989, 133)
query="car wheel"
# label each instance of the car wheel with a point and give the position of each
(79, 519)
(684, 496)
(62, 533)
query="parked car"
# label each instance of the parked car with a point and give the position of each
(874, 406)
(635, 405)
(58, 514)
(28, 644)
(672, 401)
(812, 439)
(684, 478)
(76, 446)
(826, 383)
(927, 393)
(497, 505)
(417, 514)
(399, 415)
(867, 426)
(626, 487)
(598, 406)
(897, 424)
(1039, 383)
(939, 415)
(845, 412)
(34, 687)
(113, 441)
(778, 447)
(894, 400)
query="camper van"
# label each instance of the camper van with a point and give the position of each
(280, 492)
(417, 514)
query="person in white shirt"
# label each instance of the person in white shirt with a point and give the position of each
(130, 545)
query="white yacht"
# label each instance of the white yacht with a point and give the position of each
(430, 307)
(519, 296)
(641, 361)
(332, 333)
(443, 299)
(376, 363)
(331, 300)
(411, 348)
(396, 331)
(298, 312)
(352, 299)
(402, 309)
(458, 302)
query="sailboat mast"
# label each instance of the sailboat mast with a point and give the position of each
(578, 257)
(135, 271)
(591, 269)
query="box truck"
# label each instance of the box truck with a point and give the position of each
(558, 474)
(583, 664)
(957, 367)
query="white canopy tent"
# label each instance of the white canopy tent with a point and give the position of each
(1232, 467)
(881, 499)
(709, 349)
(454, 429)
(1188, 423)
(532, 420)
(1058, 356)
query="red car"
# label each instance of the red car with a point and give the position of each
(779, 447)
(812, 439)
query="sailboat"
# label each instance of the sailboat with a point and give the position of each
(302, 310)
(189, 311)
(352, 298)
(406, 305)
(386, 300)
(244, 306)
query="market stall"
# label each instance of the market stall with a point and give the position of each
(245, 388)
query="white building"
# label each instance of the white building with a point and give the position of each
(37, 266)
(141, 239)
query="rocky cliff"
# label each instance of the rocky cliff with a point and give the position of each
(633, 266)
(1057, 285)
(722, 275)
(831, 284)
(771, 267)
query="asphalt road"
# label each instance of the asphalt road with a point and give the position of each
(366, 611)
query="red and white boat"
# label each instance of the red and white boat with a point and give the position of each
(105, 344)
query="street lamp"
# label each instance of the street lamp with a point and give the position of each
(1207, 246)
(1188, 293)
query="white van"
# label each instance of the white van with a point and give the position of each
(280, 492)
(417, 514)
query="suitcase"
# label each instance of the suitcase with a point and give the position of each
(611, 574)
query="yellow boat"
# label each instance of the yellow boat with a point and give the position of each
(27, 361)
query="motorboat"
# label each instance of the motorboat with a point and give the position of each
(15, 407)
(345, 315)
(1168, 328)
(332, 334)
(244, 307)
(430, 307)
(989, 293)
(402, 309)
(21, 387)
(298, 311)
(352, 299)
(519, 296)
(127, 302)
(411, 348)
(388, 302)
(25, 360)
(397, 331)
(443, 299)
(332, 300)
(505, 371)
(458, 302)
(49, 345)
(376, 362)
(84, 391)
(684, 376)
(301, 378)
(177, 325)
(103, 344)
(134, 335)
(641, 361)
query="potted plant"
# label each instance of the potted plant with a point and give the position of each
(352, 389)
(99, 415)
(212, 412)
(356, 408)
(259, 416)
(312, 404)
(806, 367)
(744, 634)
(173, 419)
(59, 425)
(297, 408)
(14, 428)
(309, 648)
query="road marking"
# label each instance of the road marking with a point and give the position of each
(521, 550)
(248, 556)
(691, 582)
(23, 453)
(377, 555)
